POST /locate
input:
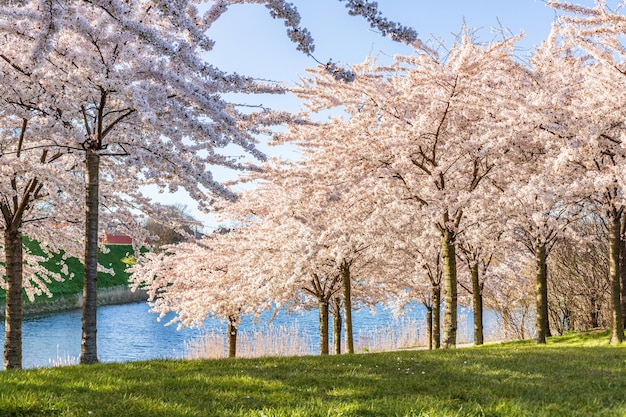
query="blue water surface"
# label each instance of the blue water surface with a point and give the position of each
(131, 332)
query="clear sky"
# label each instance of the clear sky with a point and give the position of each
(250, 42)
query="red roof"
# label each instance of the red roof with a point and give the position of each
(118, 240)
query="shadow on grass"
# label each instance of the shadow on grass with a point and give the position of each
(512, 380)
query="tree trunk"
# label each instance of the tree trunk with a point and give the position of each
(13, 314)
(448, 254)
(545, 273)
(89, 352)
(617, 325)
(541, 281)
(337, 326)
(506, 323)
(231, 343)
(477, 299)
(323, 310)
(595, 312)
(429, 325)
(623, 286)
(436, 317)
(347, 306)
(623, 267)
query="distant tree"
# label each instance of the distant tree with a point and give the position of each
(296, 223)
(180, 227)
(420, 280)
(511, 296)
(538, 201)
(594, 36)
(579, 279)
(479, 257)
(201, 279)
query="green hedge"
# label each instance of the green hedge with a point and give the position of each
(114, 259)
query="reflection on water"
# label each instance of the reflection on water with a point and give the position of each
(130, 332)
(125, 332)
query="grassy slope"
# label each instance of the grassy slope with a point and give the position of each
(69, 287)
(66, 294)
(572, 376)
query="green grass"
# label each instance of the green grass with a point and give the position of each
(577, 375)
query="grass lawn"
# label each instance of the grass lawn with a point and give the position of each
(576, 375)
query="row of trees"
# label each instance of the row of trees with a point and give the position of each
(98, 100)
(467, 161)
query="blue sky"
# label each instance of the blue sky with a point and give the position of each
(250, 42)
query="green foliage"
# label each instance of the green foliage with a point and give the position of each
(572, 376)
(117, 259)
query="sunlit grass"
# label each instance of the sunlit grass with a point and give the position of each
(577, 375)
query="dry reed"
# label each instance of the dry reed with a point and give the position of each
(270, 340)
(66, 360)
(401, 333)
(283, 340)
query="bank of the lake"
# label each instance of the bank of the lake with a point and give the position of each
(574, 376)
(116, 295)
(128, 331)
(131, 332)
(67, 294)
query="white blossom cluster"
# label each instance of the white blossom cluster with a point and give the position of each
(441, 172)
(102, 98)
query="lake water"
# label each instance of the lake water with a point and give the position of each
(130, 332)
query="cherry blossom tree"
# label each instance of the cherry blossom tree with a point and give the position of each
(594, 148)
(37, 187)
(579, 273)
(479, 249)
(317, 244)
(202, 279)
(414, 273)
(123, 90)
(535, 201)
(37, 193)
(135, 87)
(510, 295)
(538, 230)
(426, 126)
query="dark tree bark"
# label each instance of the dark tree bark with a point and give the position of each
(617, 325)
(13, 211)
(436, 317)
(477, 302)
(96, 131)
(623, 281)
(347, 305)
(541, 282)
(13, 314)
(429, 325)
(337, 325)
(623, 266)
(594, 312)
(448, 254)
(89, 353)
(323, 313)
(231, 341)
